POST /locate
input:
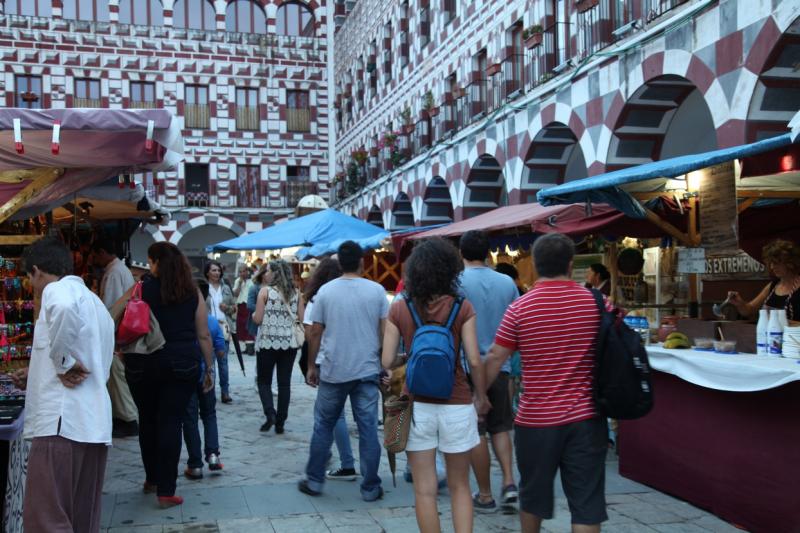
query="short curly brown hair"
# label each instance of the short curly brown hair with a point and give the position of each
(784, 252)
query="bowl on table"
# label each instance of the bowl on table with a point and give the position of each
(725, 346)
(704, 343)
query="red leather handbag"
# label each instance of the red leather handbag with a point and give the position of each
(135, 321)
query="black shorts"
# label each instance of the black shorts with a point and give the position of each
(500, 417)
(579, 451)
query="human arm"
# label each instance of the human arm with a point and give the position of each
(204, 338)
(228, 304)
(20, 378)
(314, 339)
(391, 340)
(237, 287)
(117, 284)
(497, 356)
(750, 308)
(261, 305)
(469, 341)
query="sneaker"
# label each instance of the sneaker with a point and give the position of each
(342, 474)
(483, 507)
(303, 487)
(510, 494)
(376, 498)
(193, 473)
(266, 426)
(214, 462)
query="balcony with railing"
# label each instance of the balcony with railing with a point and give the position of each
(143, 105)
(295, 190)
(87, 102)
(476, 98)
(652, 9)
(247, 118)
(542, 57)
(444, 123)
(196, 199)
(196, 116)
(298, 119)
(513, 73)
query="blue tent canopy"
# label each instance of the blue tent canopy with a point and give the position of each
(317, 228)
(610, 188)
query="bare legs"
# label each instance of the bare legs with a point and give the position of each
(423, 469)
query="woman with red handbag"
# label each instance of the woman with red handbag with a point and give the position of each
(162, 383)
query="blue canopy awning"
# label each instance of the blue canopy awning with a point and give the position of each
(317, 228)
(610, 188)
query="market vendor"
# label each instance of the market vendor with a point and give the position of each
(782, 258)
(598, 277)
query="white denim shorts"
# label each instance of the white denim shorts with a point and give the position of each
(450, 428)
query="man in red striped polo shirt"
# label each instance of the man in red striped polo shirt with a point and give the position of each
(554, 327)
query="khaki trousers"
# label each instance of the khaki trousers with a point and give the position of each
(122, 404)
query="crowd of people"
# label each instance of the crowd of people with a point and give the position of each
(353, 343)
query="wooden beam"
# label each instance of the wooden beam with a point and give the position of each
(45, 177)
(18, 240)
(744, 205)
(767, 194)
(669, 228)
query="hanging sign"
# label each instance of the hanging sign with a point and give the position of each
(691, 260)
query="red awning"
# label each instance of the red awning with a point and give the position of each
(570, 219)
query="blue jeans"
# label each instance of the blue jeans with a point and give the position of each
(342, 438)
(364, 396)
(222, 370)
(191, 433)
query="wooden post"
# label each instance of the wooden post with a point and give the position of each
(44, 177)
(694, 240)
(613, 270)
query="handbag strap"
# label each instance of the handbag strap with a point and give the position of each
(137, 291)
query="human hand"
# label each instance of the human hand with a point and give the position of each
(74, 376)
(312, 376)
(19, 378)
(386, 377)
(735, 298)
(208, 380)
(482, 405)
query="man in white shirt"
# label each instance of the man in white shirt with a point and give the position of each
(116, 281)
(67, 407)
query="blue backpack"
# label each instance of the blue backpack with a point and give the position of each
(431, 364)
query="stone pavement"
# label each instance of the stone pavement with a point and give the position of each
(257, 490)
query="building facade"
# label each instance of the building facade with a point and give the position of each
(446, 109)
(247, 80)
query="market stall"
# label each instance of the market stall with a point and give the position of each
(63, 172)
(721, 434)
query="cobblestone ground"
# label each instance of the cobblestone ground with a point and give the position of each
(257, 490)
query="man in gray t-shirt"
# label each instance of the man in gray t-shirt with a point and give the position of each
(348, 319)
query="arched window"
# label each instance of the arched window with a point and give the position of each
(245, 16)
(295, 18)
(141, 12)
(194, 14)
(85, 10)
(31, 8)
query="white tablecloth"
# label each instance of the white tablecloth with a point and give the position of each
(736, 372)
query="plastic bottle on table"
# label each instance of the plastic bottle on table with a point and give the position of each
(762, 333)
(644, 324)
(775, 333)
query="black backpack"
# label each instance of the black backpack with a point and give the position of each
(622, 386)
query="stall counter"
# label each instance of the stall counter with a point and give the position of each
(722, 435)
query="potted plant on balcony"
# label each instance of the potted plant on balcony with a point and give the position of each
(405, 116)
(585, 5)
(359, 156)
(427, 106)
(533, 36)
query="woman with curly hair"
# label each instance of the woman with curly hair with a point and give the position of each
(431, 285)
(278, 307)
(782, 259)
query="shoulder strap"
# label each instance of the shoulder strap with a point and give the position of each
(413, 310)
(598, 298)
(457, 301)
(284, 302)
